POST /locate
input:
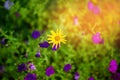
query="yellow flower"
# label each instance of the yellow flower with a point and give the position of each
(56, 38)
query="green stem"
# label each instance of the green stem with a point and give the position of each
(56, 56)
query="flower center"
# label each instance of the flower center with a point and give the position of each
(57, 38)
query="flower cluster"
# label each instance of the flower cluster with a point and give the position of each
(97, 39)
(95, 9)
(50, 71)
(56, 38)
(113, 67)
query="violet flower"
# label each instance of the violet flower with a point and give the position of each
(96, 38)
(113, 66)
(44, 44)
(67, 67)
(2, 69)
(55, 47)
(30, 76)
(37, 54)
(91, 78)
(76, 76)
(22, 67)
(8, 4)
(50, 71)
(115, 76)
(4, 41)
(95, 9)
(35, 34)
(32, 67)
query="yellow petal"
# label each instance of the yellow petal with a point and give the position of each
(50, 42)
(57, 31)
(63, 36)
(49, 35)
(50, 39)
(53, 45)
(64, 41)
(53, 33)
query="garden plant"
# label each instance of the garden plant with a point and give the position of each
(59, 39)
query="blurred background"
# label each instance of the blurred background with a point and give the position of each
(80, 20)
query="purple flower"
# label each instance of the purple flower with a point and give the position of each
(30, 76)
(76, 76)
(2, 69)
(91, 78)
(37, 54)
(115, 76)
(55, 47)
(97, 39)
(95, 9)
(45, 44)
(90, 5)
(32, 66)
(3, 41)
(22, 67)
(113, 66)
(17, 14)
(35, 34)
(67, 67)
(50, 71)
(8, 4)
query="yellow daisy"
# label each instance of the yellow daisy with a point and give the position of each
(56, 38)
